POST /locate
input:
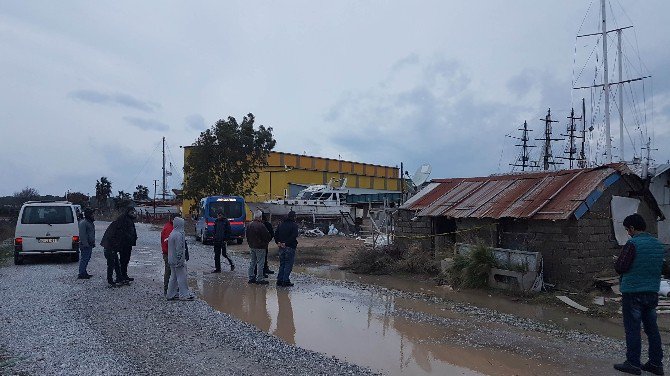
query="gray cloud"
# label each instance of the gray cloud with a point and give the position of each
(146, 124)
(195, 121)
(117, 99)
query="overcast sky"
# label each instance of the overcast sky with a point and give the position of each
(90, 87)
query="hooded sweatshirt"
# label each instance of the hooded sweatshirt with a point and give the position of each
(177, 244)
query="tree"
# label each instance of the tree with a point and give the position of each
(225, 159)
(122, 199)
(103, 190)
(141, 193)
(78, 198)
(26, 194)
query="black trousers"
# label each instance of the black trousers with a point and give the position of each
(112, 265)
(265, 268)
(220, 248)
(124, 259)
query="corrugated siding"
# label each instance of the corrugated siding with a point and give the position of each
(547, 195)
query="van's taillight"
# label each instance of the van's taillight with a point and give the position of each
(210, 223)
(18, 244)
(236, 223)
(75, 239)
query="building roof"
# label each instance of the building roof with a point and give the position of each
(538, 195)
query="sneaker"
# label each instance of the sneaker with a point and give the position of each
(252, 280)
(628, 368)
(112, 284)
(288, 283)
(122, 282)
(82, 277)
(656, 370)
(265, 276)
(232, 267)
(172, 299)
(269, 271)
(216, 271)
(129, 279)
(280, 283)
(263, 282)
(88, 276)
(190, 297)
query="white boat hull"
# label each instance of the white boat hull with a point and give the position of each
(282, 207)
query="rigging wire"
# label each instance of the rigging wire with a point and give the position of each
(132, 182)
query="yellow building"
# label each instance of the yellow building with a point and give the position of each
(286, 168)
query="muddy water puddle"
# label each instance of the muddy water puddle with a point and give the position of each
(365, 327)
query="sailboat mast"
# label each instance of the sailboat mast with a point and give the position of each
(164, 185)
(621, 156)
(608, 138)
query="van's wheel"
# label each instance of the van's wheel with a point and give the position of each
(239, 241)
(18, 260)
(75, 257)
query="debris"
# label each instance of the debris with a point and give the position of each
(314, 233)
(664, 289)
(605, 283)
(599, 300)
(616, 290)
(332, 230)
(572, 303)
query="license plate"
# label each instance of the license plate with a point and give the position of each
(51, 240)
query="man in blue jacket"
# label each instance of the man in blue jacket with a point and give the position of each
(639, 265)
(286, 237)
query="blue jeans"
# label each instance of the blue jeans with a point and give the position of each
(286, 258)
(84, 258)
(640, 307)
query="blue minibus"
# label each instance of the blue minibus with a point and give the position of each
(232, 208)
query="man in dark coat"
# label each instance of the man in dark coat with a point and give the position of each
(286, 238)
(221, 236)
(122, 236)
(258, 238)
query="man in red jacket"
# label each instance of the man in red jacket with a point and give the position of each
(165, 234)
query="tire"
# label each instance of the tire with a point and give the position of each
(197, 238)
(240, 240)
(18, 260)
(75, 257)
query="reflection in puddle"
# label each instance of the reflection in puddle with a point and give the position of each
(359, 326)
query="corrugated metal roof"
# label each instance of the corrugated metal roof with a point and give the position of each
(538, 195)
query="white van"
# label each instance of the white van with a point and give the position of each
(46, 227)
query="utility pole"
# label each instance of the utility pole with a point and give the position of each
(155, 187)
(547, 157)
(524, 158)
(164, 183)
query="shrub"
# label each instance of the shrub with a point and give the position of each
(472, 271)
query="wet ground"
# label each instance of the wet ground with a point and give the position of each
(400, 327)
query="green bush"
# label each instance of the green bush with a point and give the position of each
(472, 271)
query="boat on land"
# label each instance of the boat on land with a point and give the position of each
(320, 200)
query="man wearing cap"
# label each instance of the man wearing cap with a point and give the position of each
(286, 237)
(258, 238)
(86, 242)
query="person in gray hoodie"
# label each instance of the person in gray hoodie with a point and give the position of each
(86, 242)
(177, 286)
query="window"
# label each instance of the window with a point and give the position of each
(54, 215)
(231, 209)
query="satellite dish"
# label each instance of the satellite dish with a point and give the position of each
(421, 175)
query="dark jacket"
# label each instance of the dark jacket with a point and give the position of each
(268, 226)
(86, 233)
(258, 236)
(221, 230)
(120, 234)
(287, 233)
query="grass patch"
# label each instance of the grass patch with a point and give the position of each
(388, 260)
(472, 271)
(6, 253)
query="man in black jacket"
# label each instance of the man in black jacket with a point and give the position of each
(125, 237)
(221, 236)
(286, 238)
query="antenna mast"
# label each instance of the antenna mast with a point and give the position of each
(547, 157)
(572, 149)
(608, 137)
(524, 158)
(581, 162)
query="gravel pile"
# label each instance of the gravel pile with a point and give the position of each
(54, 324)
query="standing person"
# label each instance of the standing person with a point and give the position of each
(258, 238)
(286, 237)
(165, 233)
(221, 236)
(639, 265)
(177, 286)
(126, 238)
(112, 256)
(86, 242)
(268, 225)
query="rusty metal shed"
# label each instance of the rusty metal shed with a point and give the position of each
(555, 195)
